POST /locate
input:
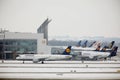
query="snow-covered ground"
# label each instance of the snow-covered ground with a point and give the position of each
(60, 70)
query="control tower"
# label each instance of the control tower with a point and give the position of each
(44, 29)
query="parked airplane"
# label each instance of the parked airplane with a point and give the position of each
(95, 55)
(38, 57)
(93, 46)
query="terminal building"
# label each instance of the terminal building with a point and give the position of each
(14, 43)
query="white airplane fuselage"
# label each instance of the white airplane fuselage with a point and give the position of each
(74, 48)
(39, 57)
(53, 57)
(93, 54)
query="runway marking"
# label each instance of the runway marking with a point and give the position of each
(50, 67)
(59, 72)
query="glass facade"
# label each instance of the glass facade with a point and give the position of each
(20, 46)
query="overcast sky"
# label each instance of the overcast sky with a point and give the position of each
(69, 17)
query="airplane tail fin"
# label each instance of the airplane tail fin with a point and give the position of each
(67, 50)
(96, 44)
(79, 43)
(111, 44)
(114, 51)
(92, 44)
(85, 44)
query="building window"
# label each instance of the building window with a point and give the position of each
(19, 46)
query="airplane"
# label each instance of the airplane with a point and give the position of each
(95, 55)
(79, 47)
(39, 57)
(94, 45)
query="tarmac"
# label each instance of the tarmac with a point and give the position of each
(63, 70)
